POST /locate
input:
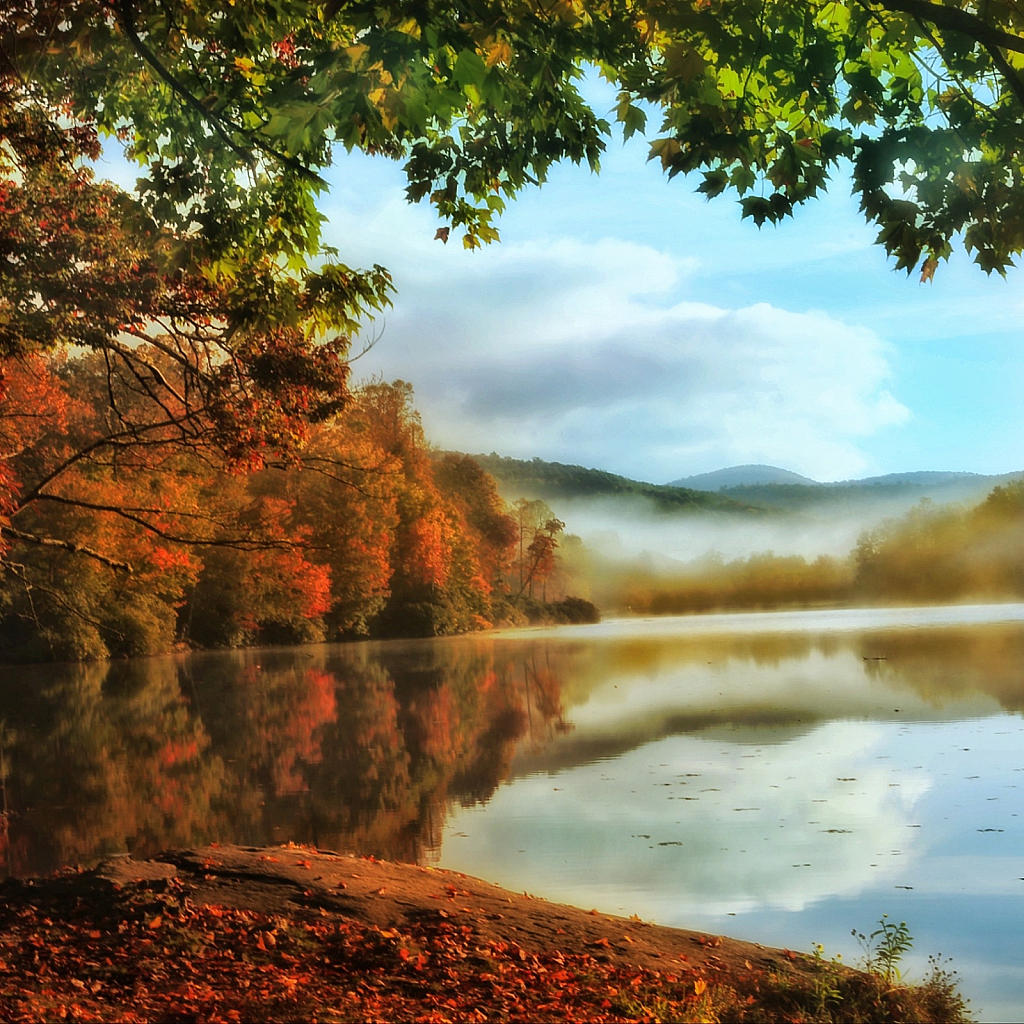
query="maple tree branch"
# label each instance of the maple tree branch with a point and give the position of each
(127, 17)
(239, 543)
(130, 437)
(1008, 71)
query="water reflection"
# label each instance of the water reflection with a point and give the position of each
(369, 748)
(815, 816)
(839, 765)
(357, 749)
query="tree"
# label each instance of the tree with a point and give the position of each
(925, 99)
(185, 364)
(486, 521)
(538, 530)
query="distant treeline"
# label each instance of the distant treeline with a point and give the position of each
(856, 496)
(932, 554)
(364, 533)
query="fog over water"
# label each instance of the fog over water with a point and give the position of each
(625, 528)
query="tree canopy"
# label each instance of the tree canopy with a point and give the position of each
(233, 110)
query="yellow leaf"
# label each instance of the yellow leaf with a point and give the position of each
(409, 27)
(496, 51)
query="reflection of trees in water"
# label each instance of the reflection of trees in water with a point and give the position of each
(104, 758)
(939, 664)
(769, 688)
(346, 747)
(942, 666)
(364, 748)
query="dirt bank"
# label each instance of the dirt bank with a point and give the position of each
(291, 933)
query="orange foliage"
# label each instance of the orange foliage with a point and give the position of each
(361, 527)
(427, 554)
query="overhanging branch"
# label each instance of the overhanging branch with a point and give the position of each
(958, 20)
(127, 17)
(139, 517)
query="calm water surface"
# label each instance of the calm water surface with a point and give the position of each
(781, 777)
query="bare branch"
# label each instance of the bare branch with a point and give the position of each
(66, 545)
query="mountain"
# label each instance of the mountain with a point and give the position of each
(741, 476)
(750, 490)
(888, 495)
(612, 513)
(555, 481)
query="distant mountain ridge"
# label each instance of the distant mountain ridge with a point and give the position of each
(760, 475)
(768, 490)
(741, 476)
(535, 478)
(924, 478)
(891, 494)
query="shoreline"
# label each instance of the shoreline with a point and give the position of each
(293, 933)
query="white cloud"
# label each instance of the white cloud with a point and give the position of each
(600, 352)
(685, 826)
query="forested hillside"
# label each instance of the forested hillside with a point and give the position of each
(553, 480)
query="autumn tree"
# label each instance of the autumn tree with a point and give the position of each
(185, 363)
(487, 522)
(947, 553)
(537, 538)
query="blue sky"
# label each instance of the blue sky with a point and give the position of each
(625, 323)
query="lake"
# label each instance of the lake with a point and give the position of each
(780, 777)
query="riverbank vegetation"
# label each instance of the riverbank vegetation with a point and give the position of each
(933, 554)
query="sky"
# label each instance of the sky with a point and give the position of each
(627, 324)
